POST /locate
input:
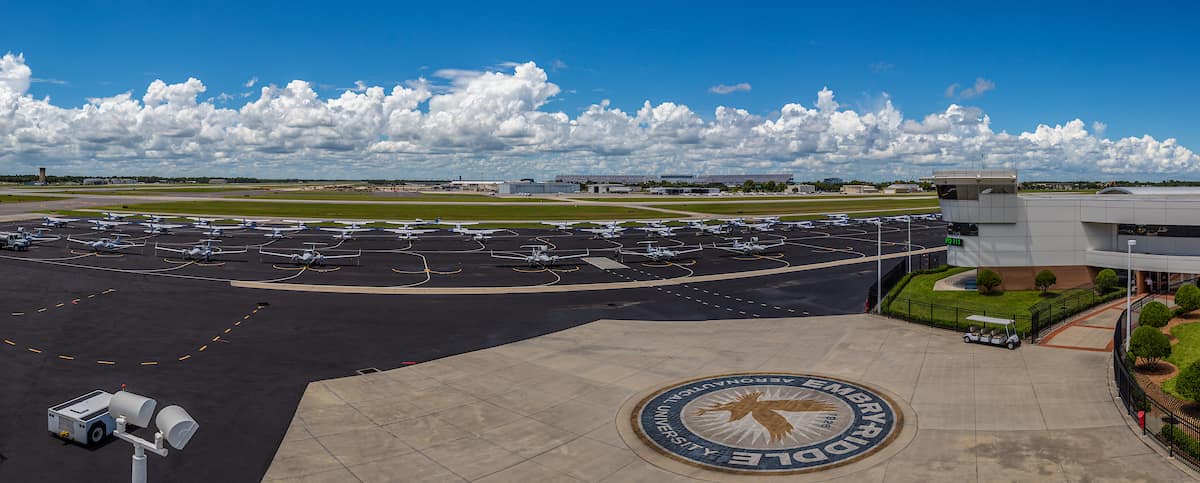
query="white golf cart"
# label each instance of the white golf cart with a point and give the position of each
(993, 331)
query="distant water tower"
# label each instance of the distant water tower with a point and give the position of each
(42, 175)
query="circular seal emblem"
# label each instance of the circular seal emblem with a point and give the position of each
(766, 423)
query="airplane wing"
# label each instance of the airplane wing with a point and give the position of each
(334, 257)
(581, 255)
(773, 245)
(175, 250)
(276, 254)
(279, 229)
(77, 241)
(728, 249)
(222, 251)
(690, 250)
(509, 256)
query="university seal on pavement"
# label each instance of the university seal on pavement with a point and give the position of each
(766, 423)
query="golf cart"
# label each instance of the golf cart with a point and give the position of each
(993, 331)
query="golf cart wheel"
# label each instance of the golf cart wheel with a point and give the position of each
(966, 339)
(1011, 345)
(97, 433)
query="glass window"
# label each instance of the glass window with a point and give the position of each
(1180, 231)
(963, 229)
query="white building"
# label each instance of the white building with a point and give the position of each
(534, 188)
(898, 188)
(1073, 235)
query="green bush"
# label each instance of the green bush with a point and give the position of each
(1106, 280)
(1044, 280)
(1187, 383)
(1181, 440)
(1188, 297)
(1155, 314)
(987, 280)
(1150, 344)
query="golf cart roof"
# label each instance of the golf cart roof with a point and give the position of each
(990, 320)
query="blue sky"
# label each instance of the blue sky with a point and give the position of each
(1130, 68)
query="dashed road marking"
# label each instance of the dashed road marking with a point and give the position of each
(150, 363)
(65, 357)
(185, 357)
(106, 363)
(34, 350)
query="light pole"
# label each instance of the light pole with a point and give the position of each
(1128, 289)
(174, 424)
(908, 244)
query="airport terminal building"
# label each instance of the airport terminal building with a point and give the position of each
(1075, 235)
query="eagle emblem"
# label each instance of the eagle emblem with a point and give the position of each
(766, 413)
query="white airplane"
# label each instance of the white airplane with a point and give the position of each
(539, 255)
(898, 218)
(407, 233)
(216, 231)
(55, 222)
(302, 223)
(807, 225)
(835, 222)
(658, 230)
(345, 233)
(607, 233)
(107, 244)
(203, 251)
(561, 225)
(610, 224)
(732, 221)
(478, 234)
(702, 228)
(309, 256)
(458, 226)
(156, 228)
(250, 223)
(759, 226)
(354, 224)
(655, 223)
(37, 235)
(278, 231)
(657, 253)
(201, 222)
(837, 216)
(408, 224)
(768, 219)
(748, 247)
(105, 225)
(874, 220)
(115, 216)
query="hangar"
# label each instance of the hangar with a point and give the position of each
(1155, 230)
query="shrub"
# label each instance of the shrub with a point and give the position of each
(1155, 314)
(1181, 440)
(1188, 297)
(1150, 344)
(1106, 280)
(1044, 280)
(1187, 384)
(987, 280)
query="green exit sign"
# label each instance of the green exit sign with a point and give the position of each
(953, 242)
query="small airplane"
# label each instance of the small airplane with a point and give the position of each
(835, 222)
(345, 233)
(837, 216)
(561, 225)
(55, 222)
(107, 244)
(874, 220)
(309, 256)
(409, 224)
(201, 222)
(657, 253)
(250, 223)
(732, 221)
(479, 234)
(37, 235)
(702, 227)
(766, 226)
(610, 224)
(302, 223)
(655, 223)
(539, 255)
(768, 219)
(216, 231)
(203, 251)
(606, 233)
(898, 218)
(658, 230)
(156, 228)
(746, 248)
(407, 233)
(788, 225)
(354, 224)
(105, 225)
(277, 231)
(109, 216)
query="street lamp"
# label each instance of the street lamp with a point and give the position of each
(878, 265)
(1128, 289)
(174, 424)
(908, 244)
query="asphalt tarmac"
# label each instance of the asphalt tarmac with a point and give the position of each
(239, 359)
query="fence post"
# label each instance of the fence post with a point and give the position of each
(909, 312)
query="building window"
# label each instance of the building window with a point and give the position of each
(1179, 231)
(963, 229)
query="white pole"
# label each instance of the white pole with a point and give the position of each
(139, 465)
(1128, 290)
(908, 244)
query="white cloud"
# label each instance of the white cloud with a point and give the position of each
(981, 85)
(250, 83)
(950, 90)
(498, 124)
(881, 66)
(724, 89)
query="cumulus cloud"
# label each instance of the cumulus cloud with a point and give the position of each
(981, 85)
(250, 83)
(724, 89)
(497, 124)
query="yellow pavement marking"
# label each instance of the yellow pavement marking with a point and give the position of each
(185, 357)
(228, 330)
(246, 317)
(9, 342)
(150, 363)
(237, 323)
(66, 358)
(107, 363)
(216, 338)
(201, 349)
(33, 350)
(60, 304)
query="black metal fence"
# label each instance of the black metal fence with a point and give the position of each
(951, 316)
(1157, 413)
(1049, 313)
